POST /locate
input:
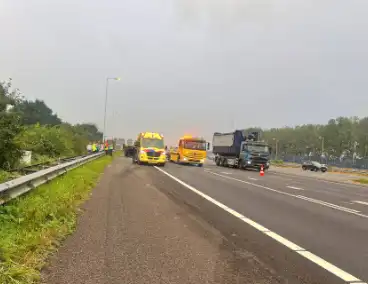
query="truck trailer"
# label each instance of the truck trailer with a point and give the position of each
(129, 148)
(240, 150)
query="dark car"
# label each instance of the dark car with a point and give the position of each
(314, 166)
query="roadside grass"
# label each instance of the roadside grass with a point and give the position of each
(362, 180)
(33, 225)
(277, 162)
(5, 176)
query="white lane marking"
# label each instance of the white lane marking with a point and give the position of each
(252, 178)
(331, 205)
(360, 202)
(226, 173)
(323, 203)
(345, 276)
(294, 187)
(346, 183)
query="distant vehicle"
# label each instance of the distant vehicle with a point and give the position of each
(314, 166)
(129, 148)
(119, 144)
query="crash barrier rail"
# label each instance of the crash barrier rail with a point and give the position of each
(16, 187)
(44, 165)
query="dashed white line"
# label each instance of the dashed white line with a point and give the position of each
(323, 203)
(294, 187)
(226, 173)
(345, 276)
(252, 178)
(361, 202)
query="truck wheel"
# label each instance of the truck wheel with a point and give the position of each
(178, 159)
(240, 164)
(224, 162)
(200, 165)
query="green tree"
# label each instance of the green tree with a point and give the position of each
(10, 127)
(90, 130)
(342, 135)
(33, 112)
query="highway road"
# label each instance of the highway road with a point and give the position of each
(184, 224)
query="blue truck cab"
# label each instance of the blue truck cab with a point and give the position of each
(254, 154)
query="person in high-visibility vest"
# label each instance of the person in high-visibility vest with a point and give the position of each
(94, 148)
(106, 147)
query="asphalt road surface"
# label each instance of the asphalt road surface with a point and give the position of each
(184, 224)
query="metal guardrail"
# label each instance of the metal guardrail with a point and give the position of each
(16, 187)
(44, 165)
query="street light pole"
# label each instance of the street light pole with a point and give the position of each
(276, 147)
(323, 144)
(106, 92)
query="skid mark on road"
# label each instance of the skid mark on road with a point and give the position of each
(345, 276)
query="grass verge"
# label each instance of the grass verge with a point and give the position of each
(33, 225)
(362, 180)
(5, 176)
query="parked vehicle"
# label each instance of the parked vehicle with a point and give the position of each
(149, 148)
(237, 150)
(314, 166)
(190, 150)
(129, 148)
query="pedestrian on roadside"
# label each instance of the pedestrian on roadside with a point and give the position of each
(94, 147)
(106, 147)
(89, 148)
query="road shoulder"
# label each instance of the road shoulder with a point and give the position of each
(131, 232)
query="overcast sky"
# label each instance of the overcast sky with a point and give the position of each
(189, 66)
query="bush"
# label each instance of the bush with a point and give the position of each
(48, 139)
(51, 141)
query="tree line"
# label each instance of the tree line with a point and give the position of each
(340, 137)
(32, 126)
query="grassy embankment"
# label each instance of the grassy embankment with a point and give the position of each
(33, 225)
(362, 180)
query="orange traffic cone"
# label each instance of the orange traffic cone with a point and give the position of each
(261, 173)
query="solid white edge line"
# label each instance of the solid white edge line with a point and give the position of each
(345, 276)
(316, 201)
